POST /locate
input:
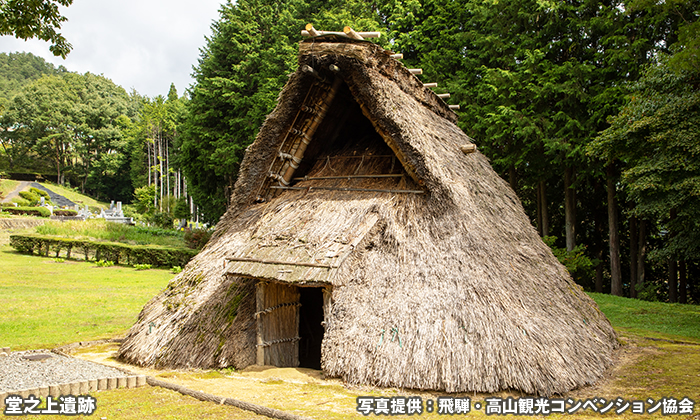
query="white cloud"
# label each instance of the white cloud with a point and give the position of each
(139, 44)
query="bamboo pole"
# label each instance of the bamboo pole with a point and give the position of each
(306, 138)
(280, 187)
(314, 178)
(311, 31)
(275, 262)
(350, 33)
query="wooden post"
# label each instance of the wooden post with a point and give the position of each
(352, 34)
(306, 139)
(310, 29)
(260, 306)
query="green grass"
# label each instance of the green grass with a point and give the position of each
(74, 196)
(651, 319)
(113, 232)
(7, 186)
(47, 303)
(154, 403)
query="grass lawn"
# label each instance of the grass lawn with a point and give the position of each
(46, 303)
(100, 229)
(7, 186)
(74, 196)
(651, 319)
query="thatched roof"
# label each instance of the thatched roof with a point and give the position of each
(449, 289)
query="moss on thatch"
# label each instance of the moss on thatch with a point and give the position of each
(451, 289)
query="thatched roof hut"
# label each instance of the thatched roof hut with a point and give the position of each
(362, 240)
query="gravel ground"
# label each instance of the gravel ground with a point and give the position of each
(18, 373)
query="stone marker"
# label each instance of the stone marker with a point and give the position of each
(140, 380)
(54, 391)
(75, 388)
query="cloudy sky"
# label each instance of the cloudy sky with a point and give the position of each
(139, 44)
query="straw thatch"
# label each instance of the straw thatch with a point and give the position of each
(449, 289)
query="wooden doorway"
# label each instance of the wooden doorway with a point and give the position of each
(290, 324)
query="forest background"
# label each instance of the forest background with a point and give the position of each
(590, 111)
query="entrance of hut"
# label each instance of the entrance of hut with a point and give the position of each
(311, 327)
(290, 324)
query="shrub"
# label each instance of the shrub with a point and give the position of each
(156, 256)
(61, 212)
(162, 220)
(196, 238)
(30, 211)
(39, 192)
(103, 263)
(581, 267)
(21, 202)
(142, 266)
(31, 197)
(176, 269)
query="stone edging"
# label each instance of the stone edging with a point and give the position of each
(75, 388)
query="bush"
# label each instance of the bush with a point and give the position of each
(31, 197)
(142, 266)
(155, 256)
(30, 211)
(162, 220)
(68, 213)
(21, 202)
(103, 263)
(40, 193)
(196, 238)
(581, 267)
(176, 269)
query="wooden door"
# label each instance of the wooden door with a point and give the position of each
(277, 324)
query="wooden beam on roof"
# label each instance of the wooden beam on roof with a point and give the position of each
(276, 262)
(416, 71)
(316, 178)
(397, 56)
(454, 106)
(280, 187)
(430, 85)
(311, 31)
(350, 33)
(443, 95)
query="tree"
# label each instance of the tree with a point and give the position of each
(238, 78)
(35, 19)
(657, 136)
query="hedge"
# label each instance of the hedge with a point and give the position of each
(32, 211)
(109, 251)
(63, 212)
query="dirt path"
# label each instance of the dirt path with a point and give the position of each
(645, 368)
(22, 185)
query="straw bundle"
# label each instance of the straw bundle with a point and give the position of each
(451, 289)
